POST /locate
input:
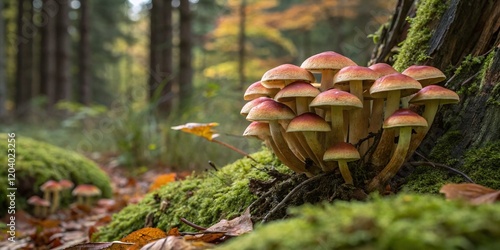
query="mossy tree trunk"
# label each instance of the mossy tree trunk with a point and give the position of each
(461, 38)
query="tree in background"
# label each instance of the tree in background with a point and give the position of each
(185, 52)
(63, 84)
(24, 68)
(85, 90)
(3, 73)
(47, 51)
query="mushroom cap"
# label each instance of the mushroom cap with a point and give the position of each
(270, 111)
(66, 184)
(341, 151)
(353, 73)
(308, 122)
(37, 201)
(394, 82)
(296, 89)
(426, 75)
(249, 105)
(86, 190)
(51, 185)
(383, 69)
(336, 97)
(404, 118)
(280, 76)
(434, 93)
(257, 129)
(256, 90)
(326, 60)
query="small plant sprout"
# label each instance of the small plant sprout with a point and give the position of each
(205, 130)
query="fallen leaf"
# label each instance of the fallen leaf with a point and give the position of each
(208, 237)
(143, 236)
(101, 245)
(162, 180)
(174, 232)
(200, 129)
(237, 226)
(176, 243)
(473, 193)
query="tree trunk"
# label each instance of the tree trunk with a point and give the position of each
(84, 55)
(165, 50)
(24, 75)
(185, 46)
(63, 84)
(47, 52)
(241, 45)
(462, 39)
(3, 76)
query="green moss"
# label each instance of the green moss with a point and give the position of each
(414, 47)
(204, 199)
(37, 162)
(400, 222)
(441, 152)
(482, 165)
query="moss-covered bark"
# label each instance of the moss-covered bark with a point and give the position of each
(203, 199)
(37, 162)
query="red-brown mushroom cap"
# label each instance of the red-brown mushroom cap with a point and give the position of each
(66, 184)
(37, 201)
(336, 97)
(394, 82)
(435, 93)
(426, 75)
(270, 111)
(256, 90)
(308, 122)
(259, 130)
(341, 151)
(354, 73)
(326, 60)
(86, 190)
(285, 74)
(383, 69)
(296, 89)
(249, 105)
(404, 118)
(51, 185)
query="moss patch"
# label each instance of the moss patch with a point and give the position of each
(401, 222)
(482, 165)
(204, 199)
(38, 162)
(414, 47)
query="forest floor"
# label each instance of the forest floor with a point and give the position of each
(74, 225)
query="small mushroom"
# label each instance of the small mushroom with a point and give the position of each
(342, 152)
(52, 189)
(40, 205)
(280, 76)
(300, 93)
(85, 192)
(327, 63)
(405, 120)
(256, 90)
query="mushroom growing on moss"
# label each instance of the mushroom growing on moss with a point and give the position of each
(40, 205)
(405, 120)
(52, 189)
(85, 192)
(342, 152)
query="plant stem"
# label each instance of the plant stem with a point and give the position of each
(233, 148)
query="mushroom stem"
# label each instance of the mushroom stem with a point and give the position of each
(80, 200)
(276, 133)
(327, 79)
(37, 211)
(396, 161)
(429, 115)
(337, 119)
(55, 202)
(356, 120)
(302, 105)
(270, 143)
(376, 118)
(317, 149)
(344, 171)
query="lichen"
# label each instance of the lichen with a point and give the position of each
(414, 47)
(399, 222)
(203, 199)
(482, 165)
(37, 162)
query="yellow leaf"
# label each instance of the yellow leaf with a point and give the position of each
(200, 129)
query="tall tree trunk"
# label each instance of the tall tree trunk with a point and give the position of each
(84, 55)
(24, 75)
(185, 46)
(47, 52)
(63, 84)
(241, 45)
(461, 38)
(3, 76)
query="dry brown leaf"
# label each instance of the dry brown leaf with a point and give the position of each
(176, 243)
(200, 129)
(162, 180)
(237, 226)
(474, 193)
(143, 236)
(101, 245)
(174, 232)
(207, 237)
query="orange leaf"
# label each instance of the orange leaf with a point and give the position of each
(143, 236)
(174, 232)
(205, 237)
(162, 180)
(473, 193)
(200, 129)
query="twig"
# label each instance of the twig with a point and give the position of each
(234, 149)
(212, 165)
(289, 195)
(432, 164)
(191, 224)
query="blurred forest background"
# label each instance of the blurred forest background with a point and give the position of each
(108, 78)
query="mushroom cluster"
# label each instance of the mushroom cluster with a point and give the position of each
(319, 127)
